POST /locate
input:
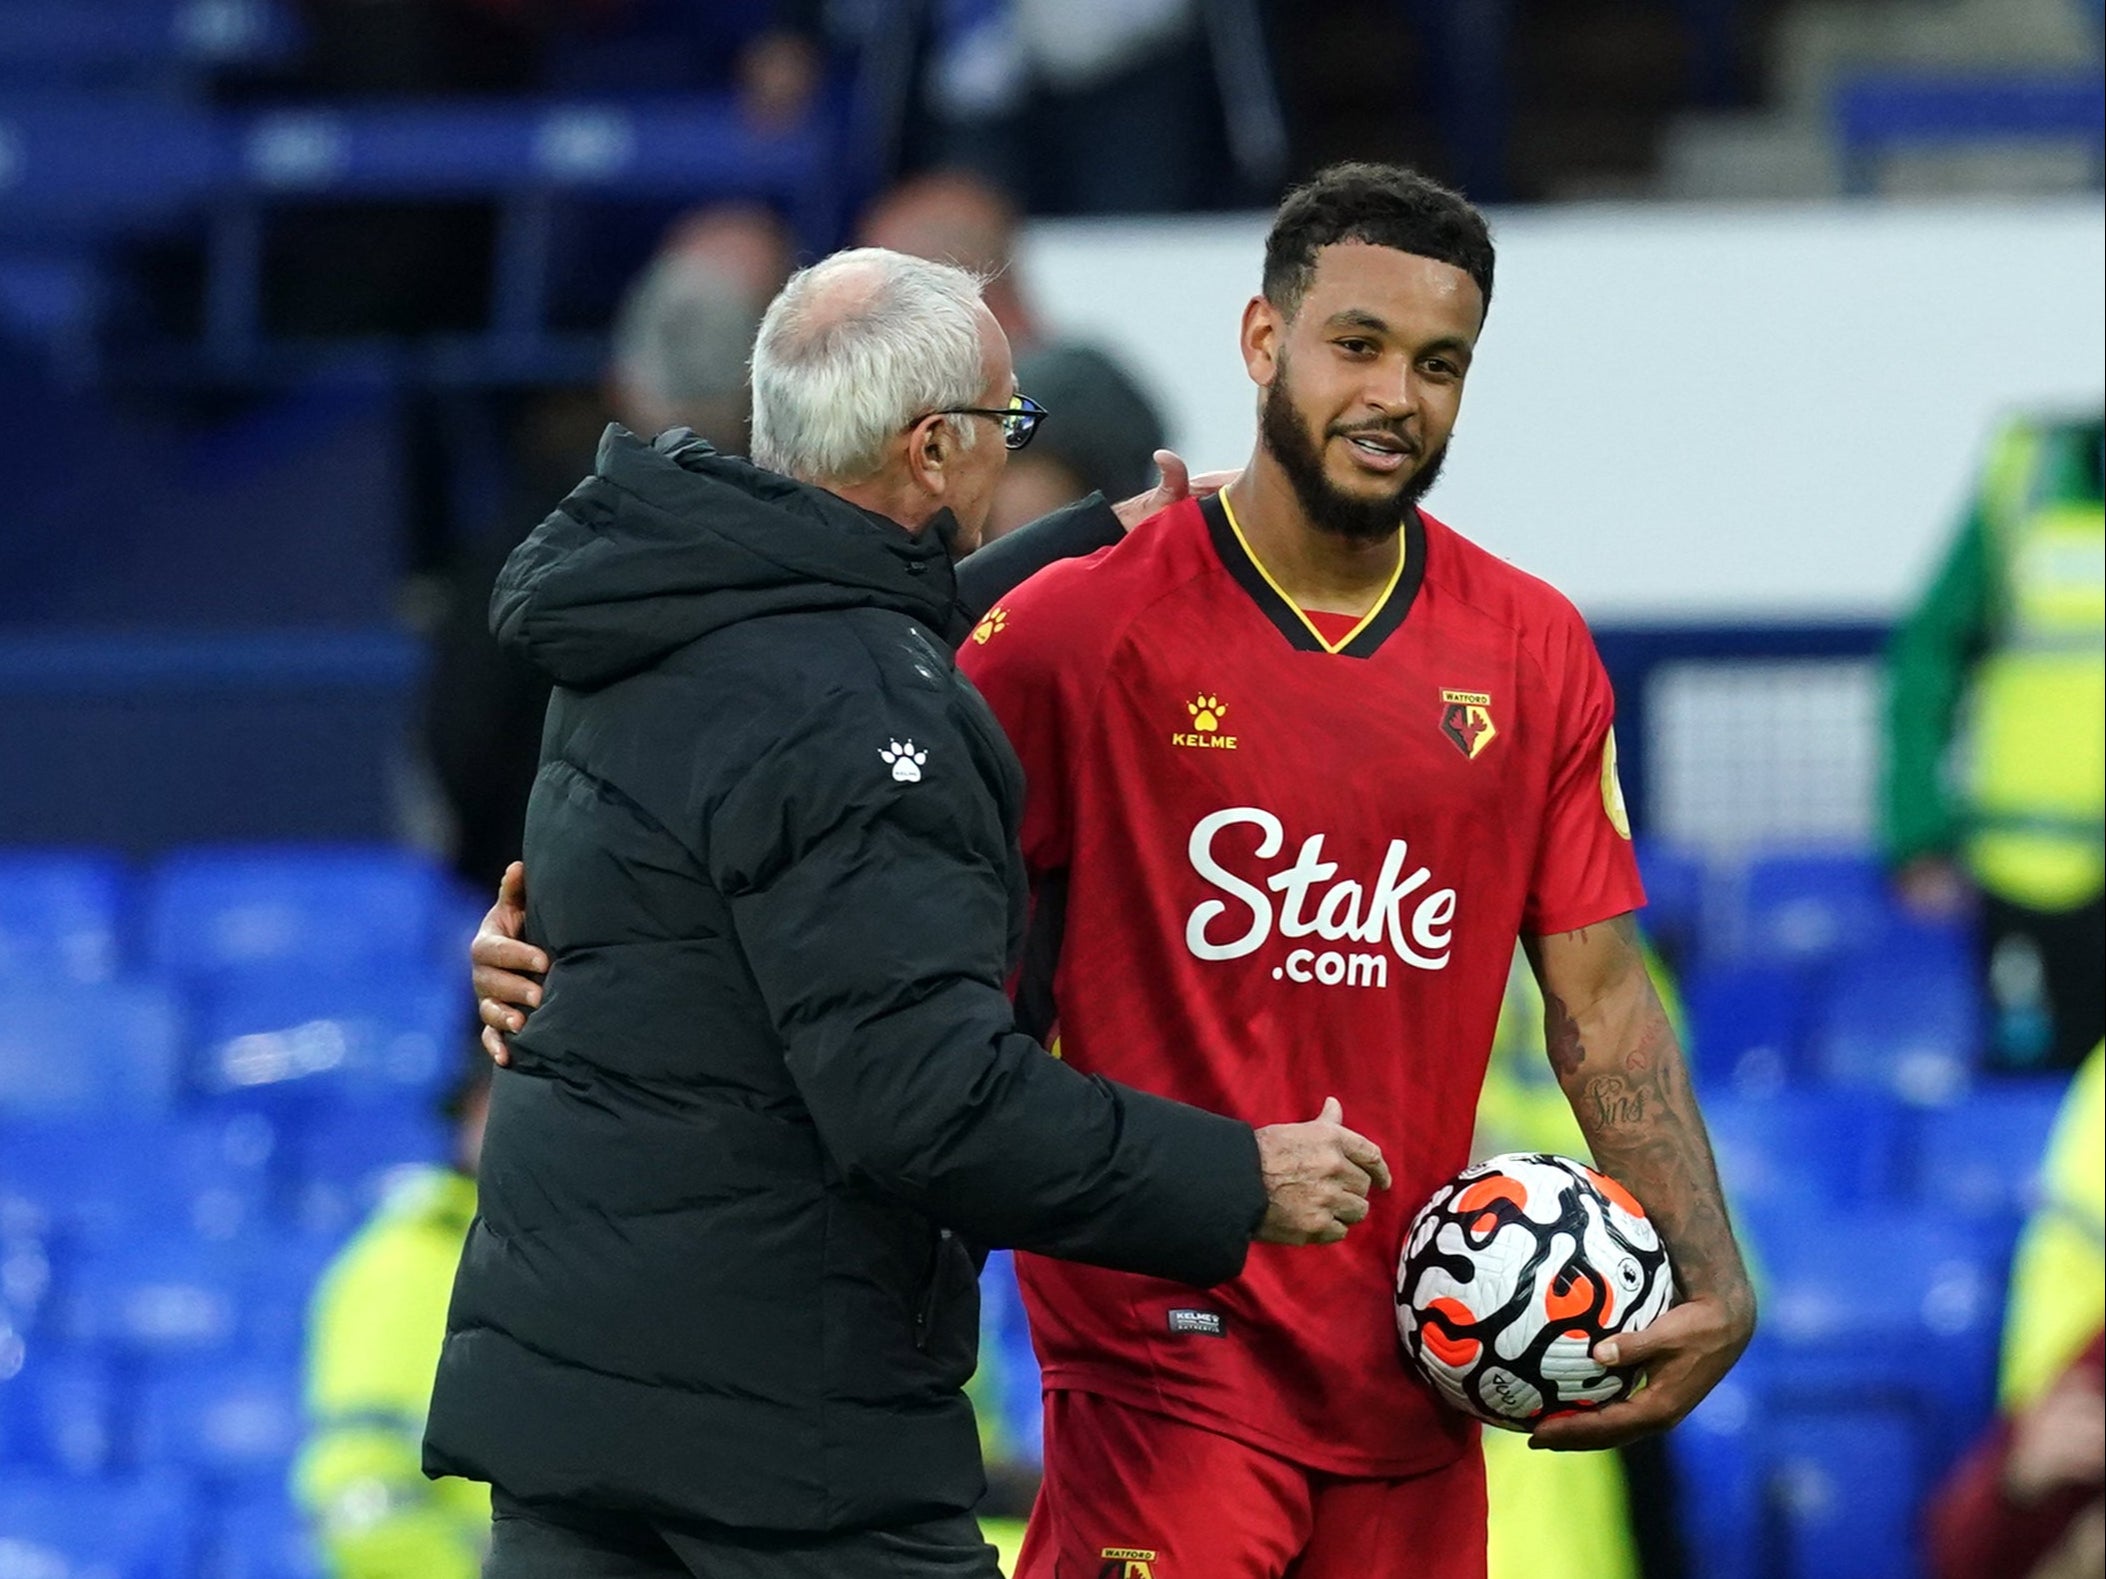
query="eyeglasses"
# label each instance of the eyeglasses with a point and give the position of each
(1019, 420)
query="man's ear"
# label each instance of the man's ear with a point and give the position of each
(932, 448)
(1263, 328)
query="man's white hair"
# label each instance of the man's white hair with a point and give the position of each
(854, 349)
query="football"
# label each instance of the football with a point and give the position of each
(1513, 1272)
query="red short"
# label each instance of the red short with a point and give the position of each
(1134, 1495)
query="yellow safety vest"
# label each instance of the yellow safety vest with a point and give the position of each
(2058, 1278)
(376, 1325)
(2035, 757)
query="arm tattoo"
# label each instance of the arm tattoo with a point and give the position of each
(1561, 1035)
(1621, 1068)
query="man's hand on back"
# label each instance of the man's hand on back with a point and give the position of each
(1177, 483)
(1317, 1176)
(508, 970)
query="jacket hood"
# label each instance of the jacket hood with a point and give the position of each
(670, 540)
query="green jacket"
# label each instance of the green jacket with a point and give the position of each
(1994, 741)
(374, 1333)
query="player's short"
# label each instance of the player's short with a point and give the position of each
(1129, 1494)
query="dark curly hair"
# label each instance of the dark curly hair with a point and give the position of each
(1384, 205)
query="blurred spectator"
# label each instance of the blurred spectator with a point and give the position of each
(1604, 1515)
(1105, 429)
(2030, 1501)
(2011, 643)
(685, 329)
(1101, 438)
(679, 353)
(1054, 103)
(2058, 1277)
(376, 1325)
(955, 216)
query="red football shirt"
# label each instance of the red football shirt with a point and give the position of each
(1276, 860)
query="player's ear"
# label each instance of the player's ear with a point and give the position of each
(1263, 327)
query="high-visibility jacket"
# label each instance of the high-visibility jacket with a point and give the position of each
(375, 1327)
(2058, 1278)
(1997, 701)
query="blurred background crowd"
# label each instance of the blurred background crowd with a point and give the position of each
(309, 310)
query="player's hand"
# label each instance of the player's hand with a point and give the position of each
(508, 970)
(1317, 1176)
(1683, 1355)
(1177, 483)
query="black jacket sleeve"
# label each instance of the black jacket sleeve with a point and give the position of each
(873, 914)
(1008, 562)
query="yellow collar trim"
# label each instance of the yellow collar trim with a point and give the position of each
(1367, 619)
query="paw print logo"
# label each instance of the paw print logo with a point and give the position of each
(905, 761)
(994, 623)
(1206, 712)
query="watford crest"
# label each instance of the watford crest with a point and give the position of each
(1466, 719)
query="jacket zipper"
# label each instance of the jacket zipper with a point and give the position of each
(932, 1293)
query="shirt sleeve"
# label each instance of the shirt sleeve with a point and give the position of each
(1585, 871)
(1026, 666)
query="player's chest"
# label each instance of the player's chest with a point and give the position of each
(1425, 733)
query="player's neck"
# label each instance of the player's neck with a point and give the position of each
(1317, 570)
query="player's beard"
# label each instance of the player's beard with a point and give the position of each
(1359, 518)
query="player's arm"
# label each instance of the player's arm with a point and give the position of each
(1616, 1056)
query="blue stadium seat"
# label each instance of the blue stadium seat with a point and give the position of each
(284, 1043)
(262, 1537)
(1720, 1494)
(1891, 1304)
(224, 1423)
(1746, 1025)
(1981, 1155)
(89, 1182)
(278, 1272)
(1811, 1150)
(319, 910)
(60, 1528)
(152, 1298)
(60, 1412)
(112, 1049)
(1806, 906)
(1848, 1484)
(1905, 1018)
(59, 915)
(342, 1170)
(1879, 113)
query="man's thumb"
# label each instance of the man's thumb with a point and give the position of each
(1177, 477)
(1333, 1113)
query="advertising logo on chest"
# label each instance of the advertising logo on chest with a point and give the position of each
(1399, 916)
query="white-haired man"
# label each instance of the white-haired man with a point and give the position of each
(717, 1309)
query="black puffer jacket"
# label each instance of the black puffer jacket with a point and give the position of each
(720, 1272)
